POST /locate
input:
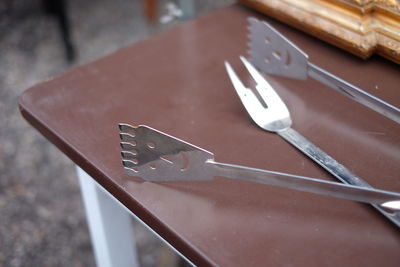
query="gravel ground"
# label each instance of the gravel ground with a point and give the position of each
(42, 220)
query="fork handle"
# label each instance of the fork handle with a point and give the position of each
(332, 166)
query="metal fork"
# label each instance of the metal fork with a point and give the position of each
(271, 114)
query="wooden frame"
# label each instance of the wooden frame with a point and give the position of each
(362, 27)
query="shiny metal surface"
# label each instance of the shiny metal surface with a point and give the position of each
(273, 116)
(155, 156)
(273, 53)
(160, 157)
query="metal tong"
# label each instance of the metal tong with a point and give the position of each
(273, 53)
(159, 157)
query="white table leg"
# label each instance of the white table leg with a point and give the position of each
(109, 225)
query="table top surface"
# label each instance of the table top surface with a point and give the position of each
(176, 82)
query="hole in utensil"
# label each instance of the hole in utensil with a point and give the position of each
(288, 60)
(277, 55)
(267, 40)
(152, 166)
(135, 161)
(151, 145)
(185, 161)
(267, 60)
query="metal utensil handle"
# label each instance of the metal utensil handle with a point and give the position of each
(332, 166)
(305, 184)
(354, 92)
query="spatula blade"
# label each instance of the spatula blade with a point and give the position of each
(272, 53)
(156, 156)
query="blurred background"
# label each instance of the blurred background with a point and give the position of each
(42, 218)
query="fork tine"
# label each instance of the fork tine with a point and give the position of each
(237, 83)
(263, 87)
(253, 72)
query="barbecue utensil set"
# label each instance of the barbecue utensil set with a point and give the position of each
(158, 157)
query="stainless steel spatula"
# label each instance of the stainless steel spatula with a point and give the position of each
(158, 157)
(273, 53)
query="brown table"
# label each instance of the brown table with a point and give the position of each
(176, 82)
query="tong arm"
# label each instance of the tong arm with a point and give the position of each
(389, 200)
(354, 92)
